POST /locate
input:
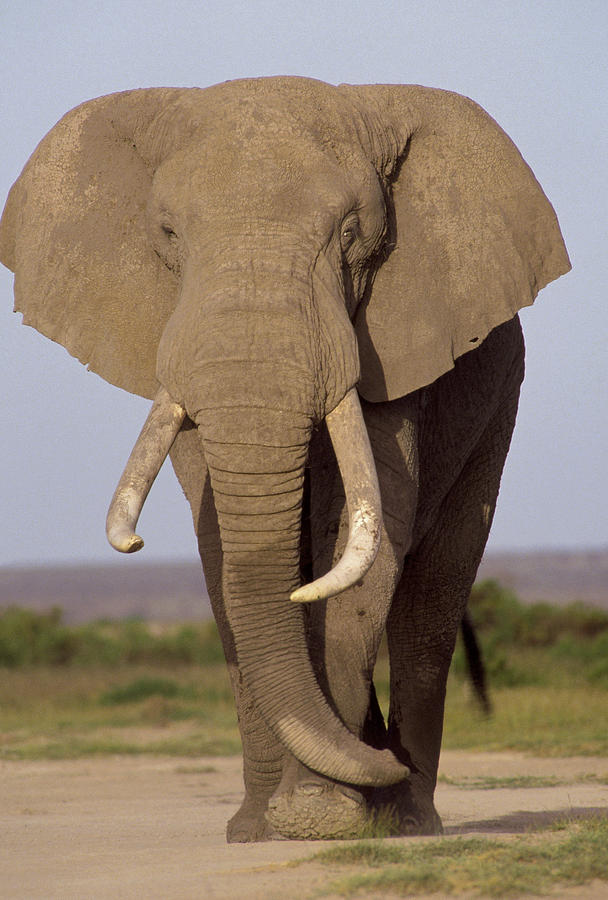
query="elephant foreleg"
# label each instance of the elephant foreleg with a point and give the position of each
(262, 753)
(344, 633)
(263, 760)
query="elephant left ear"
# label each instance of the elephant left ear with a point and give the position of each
(472, 236)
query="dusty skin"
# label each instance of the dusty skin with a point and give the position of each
(128, 827)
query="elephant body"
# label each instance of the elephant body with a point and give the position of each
(440, 453)
(259, 249)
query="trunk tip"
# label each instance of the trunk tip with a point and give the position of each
(393, 770)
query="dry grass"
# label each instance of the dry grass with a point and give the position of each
(64, 713)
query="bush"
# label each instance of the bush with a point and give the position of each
(30, 639)
(591, 655)
(140, 689)
(498, 613)
(510, 633)
(495, 609)
(196, 644)
(96, 645)
(500, 670)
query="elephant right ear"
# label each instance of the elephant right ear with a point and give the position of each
(74, 233)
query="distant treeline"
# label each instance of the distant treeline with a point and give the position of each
(507, 629)
(28, 638)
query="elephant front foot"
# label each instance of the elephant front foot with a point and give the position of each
(249, 824)
(405, 809)
(317, 809)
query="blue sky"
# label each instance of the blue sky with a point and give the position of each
(539, 67)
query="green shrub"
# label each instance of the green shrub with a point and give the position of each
(498, 614)
(140, 689)
(96, 645)
(197, 644)
(137, 644)
(590, 655)
(495, 609)
(29, 638)
(523, 644)
(500, 670)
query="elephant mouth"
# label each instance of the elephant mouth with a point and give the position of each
(349, 437)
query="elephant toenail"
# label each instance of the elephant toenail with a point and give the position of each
(311, 789)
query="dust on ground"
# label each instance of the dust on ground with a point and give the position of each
(141, 827)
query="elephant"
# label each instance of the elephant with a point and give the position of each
(319, 288)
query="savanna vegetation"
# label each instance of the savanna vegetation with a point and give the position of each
(133, 687)
(568, 854)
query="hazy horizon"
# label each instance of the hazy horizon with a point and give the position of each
(119, 562)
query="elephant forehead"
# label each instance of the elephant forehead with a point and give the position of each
(285, 122)
(280, 178)
(255, 154)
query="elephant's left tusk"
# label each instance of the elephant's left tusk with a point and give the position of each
(356, 462)
(149, 453)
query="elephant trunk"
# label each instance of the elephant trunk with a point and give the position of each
(259, 514)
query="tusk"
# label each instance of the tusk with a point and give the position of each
(356, 462)
(149, 453)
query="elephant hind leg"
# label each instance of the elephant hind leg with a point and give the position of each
(423, 623)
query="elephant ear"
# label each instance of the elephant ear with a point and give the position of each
(472, 238)
(74, 233)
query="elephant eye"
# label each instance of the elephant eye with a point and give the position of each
(348, 232)
(348, 236)
(168, 231)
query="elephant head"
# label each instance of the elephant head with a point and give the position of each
(248, 254)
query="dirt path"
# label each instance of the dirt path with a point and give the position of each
(144, 828)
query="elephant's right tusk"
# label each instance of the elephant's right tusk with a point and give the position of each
(356, 462)
(149, 453)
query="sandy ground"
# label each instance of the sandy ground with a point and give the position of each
(144, 828)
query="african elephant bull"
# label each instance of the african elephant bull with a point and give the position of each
(258, 256)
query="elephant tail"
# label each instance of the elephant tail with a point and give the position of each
(475, 663)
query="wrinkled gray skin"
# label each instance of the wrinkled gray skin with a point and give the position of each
(259, 248)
